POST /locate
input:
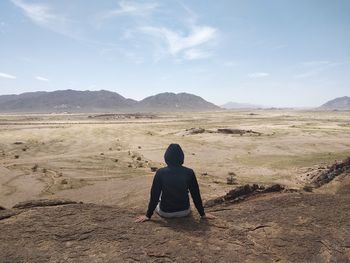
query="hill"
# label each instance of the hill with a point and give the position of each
(64, 100)
(178, 102)
(98, 101)
(236, 105)
(341, 103)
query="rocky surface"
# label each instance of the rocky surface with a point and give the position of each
(271, 227)
(237, 131)
(243, 192)
(42, 203)
(194, 130)
(328, 174)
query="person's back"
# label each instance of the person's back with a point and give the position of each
(175, 183)
(171, 185)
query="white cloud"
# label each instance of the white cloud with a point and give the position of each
(230, 64)
(307, 74)
(192, 54)
(315, 63)
(132, 8)
(314, 68)
(258, 75)
(177, 42)
(41, 78)
(7, 76)
(190, 43)
(44, 16)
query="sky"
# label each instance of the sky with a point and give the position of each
(281, 53)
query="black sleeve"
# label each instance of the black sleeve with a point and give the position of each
(155, 193)
(196, 195)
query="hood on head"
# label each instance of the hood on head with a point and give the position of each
(174, 156)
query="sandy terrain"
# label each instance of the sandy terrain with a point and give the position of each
(108, 159)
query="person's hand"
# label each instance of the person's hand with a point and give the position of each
(208, 216)
(142, 219)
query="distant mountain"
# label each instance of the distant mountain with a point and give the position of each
(99, 101)
(179, 102)
(64, 100)
(341, 103)
(236, 105)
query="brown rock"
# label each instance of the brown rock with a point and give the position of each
(276, 228)
(42, 202)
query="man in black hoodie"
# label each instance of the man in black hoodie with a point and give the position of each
(171, 185)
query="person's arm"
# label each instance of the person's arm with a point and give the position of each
(155, 194)
(196, 195)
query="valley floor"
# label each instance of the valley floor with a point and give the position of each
(108, 161)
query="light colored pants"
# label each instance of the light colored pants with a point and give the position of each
(172, 214)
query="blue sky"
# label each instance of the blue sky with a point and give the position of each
(271, 52)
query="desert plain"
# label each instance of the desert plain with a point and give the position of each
(108, 160)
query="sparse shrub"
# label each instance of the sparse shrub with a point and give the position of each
(44, 170)
(308, 188)
(64, 181)
(35, 168)
(138, 158)
(231, 178)
(116, 160)
(16, 156)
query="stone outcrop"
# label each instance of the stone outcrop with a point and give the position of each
(327, 175)
(286, 227)
(42, 202)
(243, 192)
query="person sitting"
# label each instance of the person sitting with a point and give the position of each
(170, 187)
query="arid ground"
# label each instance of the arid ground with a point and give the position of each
(109, 161)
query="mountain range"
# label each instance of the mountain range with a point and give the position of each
(100, 101)
(236, 105)
(108, 101)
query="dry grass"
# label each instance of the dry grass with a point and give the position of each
(67, 152)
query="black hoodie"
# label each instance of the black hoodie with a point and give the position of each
(172, 183)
